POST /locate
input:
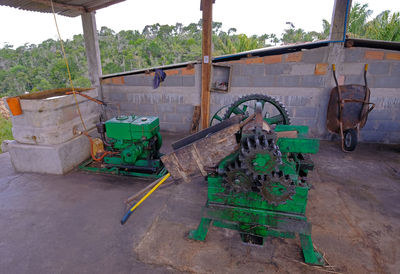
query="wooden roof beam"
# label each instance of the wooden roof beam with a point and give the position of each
(104, 5)
(61, 5)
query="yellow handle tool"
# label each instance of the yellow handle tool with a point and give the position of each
(128, 214)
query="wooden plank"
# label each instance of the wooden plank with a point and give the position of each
(206, 6)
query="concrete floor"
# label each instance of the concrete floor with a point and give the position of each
(70, 223)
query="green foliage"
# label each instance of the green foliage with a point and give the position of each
(31, 68)
(385, 26)
(358, 17)
(5, 130)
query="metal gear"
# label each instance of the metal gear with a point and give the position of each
(259, 155)
(274, 111)
(277, 189)
(236, 179)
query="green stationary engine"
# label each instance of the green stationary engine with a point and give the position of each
(132, 146)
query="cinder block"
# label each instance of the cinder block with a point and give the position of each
(256, 60)
(352, 55)
(298, 101)
(173, 81)
(253, 70)
(371, 125)
(355, 79)
(184, 109)
(188, 81)
(294, 57)
(134, 80)
(242, 81)
(288, 81)
(106, 81)
(183, 127)
(265, 81)
(236, 70)
(372, 136)
(381, 115)
(173, 117)
(171, 72)
(162, 108)
(374, 55)
(188, 71)
(379, 68)
(305, 112)
(388, 126)
(321, 69)
(277, 69)
(170, 99)
(387, 82)
(175, 127)
(314, 56)
(392, 56)
(148, 80)
(312, 81)
(302, 69)
(395, 70)
(118, 96)
(119, 80)
(350, 68)
(272, 59)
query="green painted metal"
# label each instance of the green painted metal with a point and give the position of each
(298, 145)
(135, 142)
(132, 127)
(87, 166)
(249, 212)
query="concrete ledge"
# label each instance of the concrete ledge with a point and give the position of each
(56, 159)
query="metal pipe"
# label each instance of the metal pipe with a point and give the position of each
(101, 129)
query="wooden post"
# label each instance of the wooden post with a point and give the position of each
(337, 31)
(206, 7)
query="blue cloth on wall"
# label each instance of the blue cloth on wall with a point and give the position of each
(159, 77)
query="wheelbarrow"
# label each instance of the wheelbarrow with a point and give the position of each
(348, 110)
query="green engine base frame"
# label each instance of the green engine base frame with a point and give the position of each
(88, 166)
(251, 216)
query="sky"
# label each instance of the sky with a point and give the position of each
(250, 17)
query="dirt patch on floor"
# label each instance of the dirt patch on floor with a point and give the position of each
(166, 243)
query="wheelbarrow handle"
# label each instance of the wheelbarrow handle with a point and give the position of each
(365, 75)
(334, 74)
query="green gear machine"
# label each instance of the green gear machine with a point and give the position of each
(132, 145)
(260, 189)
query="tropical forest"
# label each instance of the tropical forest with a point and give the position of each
(31, 67)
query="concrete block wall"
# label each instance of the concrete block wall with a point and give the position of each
(296, 79)
(173, 102)
(301, 80)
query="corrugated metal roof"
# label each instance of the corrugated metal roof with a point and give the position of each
(71, 8)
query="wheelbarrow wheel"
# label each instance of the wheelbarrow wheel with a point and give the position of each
(349, 139)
